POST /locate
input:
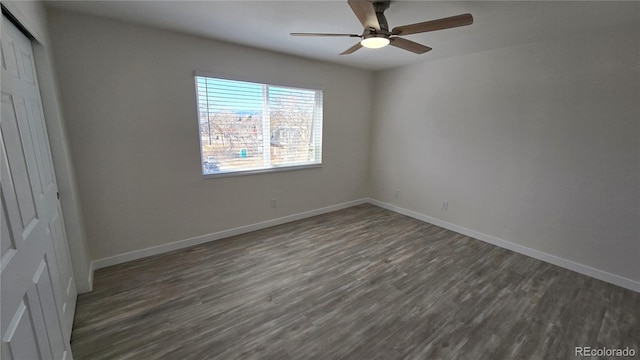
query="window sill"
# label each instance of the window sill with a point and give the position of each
(260, 171)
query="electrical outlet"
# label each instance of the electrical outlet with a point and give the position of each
(396, 194)
(274, 203)
(445, 205)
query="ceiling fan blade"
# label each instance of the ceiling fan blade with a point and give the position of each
(440, 24)
(323, 34)
(408, 45)
(351, 49)
(366, 13)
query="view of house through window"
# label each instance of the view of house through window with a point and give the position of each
(248, 126)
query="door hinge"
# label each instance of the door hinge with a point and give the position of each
(58, 195)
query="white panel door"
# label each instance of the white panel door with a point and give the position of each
(37, 288)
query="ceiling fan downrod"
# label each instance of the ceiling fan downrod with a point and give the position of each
(380, 7)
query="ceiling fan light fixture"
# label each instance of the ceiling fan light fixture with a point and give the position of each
(374, 42)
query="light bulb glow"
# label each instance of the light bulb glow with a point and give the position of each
(374, 42)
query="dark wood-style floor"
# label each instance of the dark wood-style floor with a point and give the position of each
(360, 283)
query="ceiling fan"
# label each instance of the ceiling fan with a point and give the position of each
(376, 32)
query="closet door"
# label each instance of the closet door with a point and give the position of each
(37, 288)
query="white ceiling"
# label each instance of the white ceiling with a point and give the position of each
(267, 24)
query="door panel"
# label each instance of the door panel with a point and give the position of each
(17, 159)
(43, 155)
(9, 54)
(8, 242)
(46, 300)
(20, 341)
(58, 238)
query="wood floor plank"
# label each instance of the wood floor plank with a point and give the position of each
(360, 283)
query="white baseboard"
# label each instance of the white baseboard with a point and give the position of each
(155, 250)
(536, 254)
(90, 279)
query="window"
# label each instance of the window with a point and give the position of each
(248, 127)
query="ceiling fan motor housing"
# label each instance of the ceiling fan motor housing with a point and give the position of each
(375, 34)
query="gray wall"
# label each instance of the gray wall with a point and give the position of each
(129, 97)
(537, 144)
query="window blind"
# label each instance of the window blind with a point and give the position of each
(246, 126)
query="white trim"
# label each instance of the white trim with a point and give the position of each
(90, 278)
(536, 254)
(264, 170)
(155, 250)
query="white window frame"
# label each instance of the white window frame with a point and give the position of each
(318, 124)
